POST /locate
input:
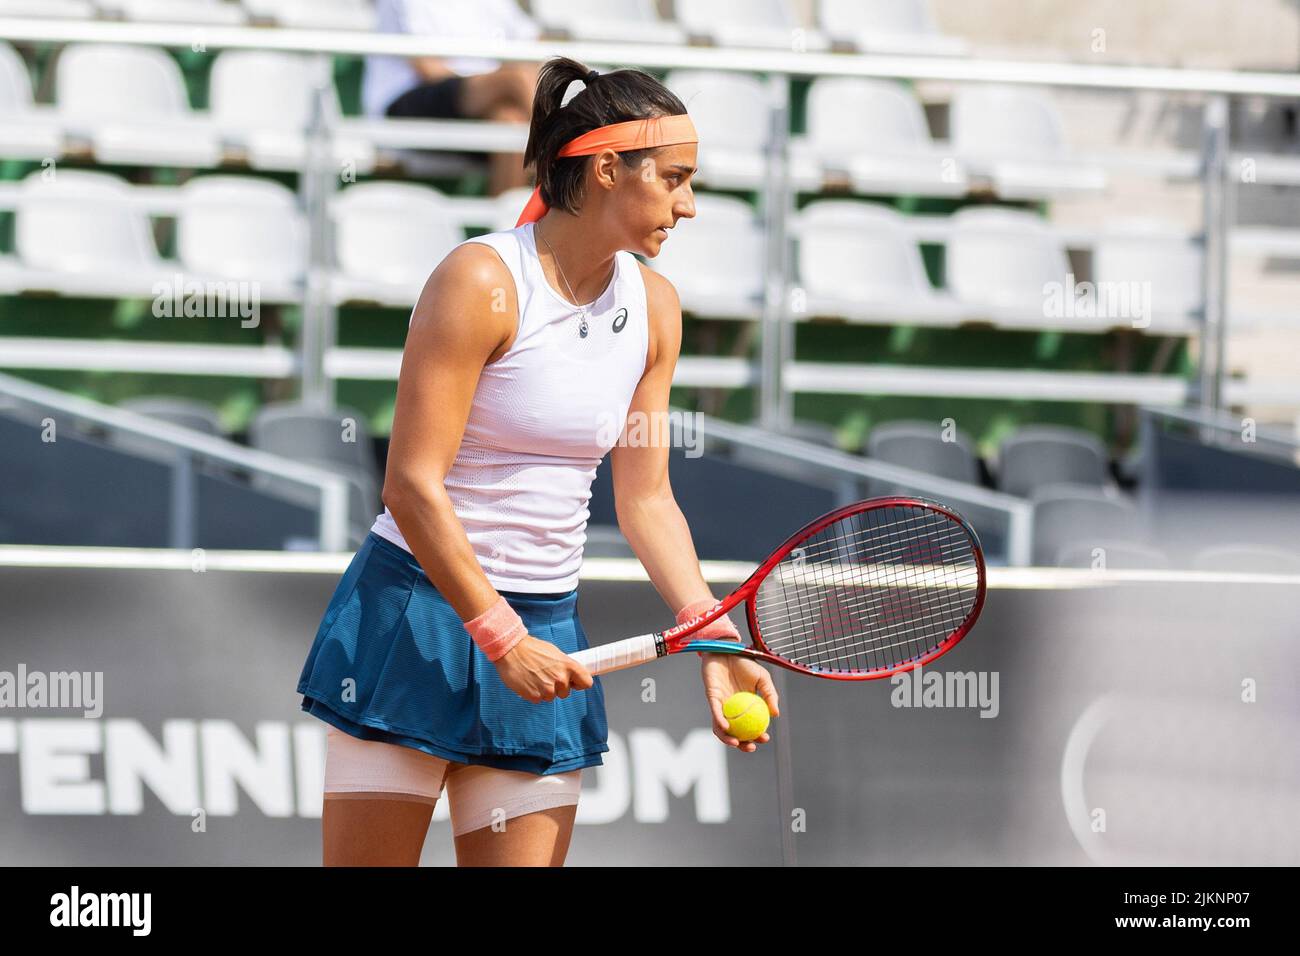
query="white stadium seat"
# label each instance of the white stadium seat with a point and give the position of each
(243, 228)
(315, 14)
(131, 102)
(222, 12)
(1068, 517)
(747, 23)
(1170, 267)
(509, 205)
(626, 21)
(858, 260)
(388, 238)
(1016, 138)
(887, 26)
(63, 9)
(1035, 456)
(1000, 260)
(922, 446)
(731, 112)
(875, 132)
(272, 129)
(80, 233)
(11, 275)
(716, 259)
(27, 131)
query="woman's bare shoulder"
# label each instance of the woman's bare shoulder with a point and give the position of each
(470, 293)
(471, 267)
(661, 294)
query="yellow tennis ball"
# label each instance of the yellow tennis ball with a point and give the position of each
(747, 715)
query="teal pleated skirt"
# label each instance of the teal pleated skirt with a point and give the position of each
(392, 662)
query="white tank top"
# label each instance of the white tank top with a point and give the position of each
(543, 416)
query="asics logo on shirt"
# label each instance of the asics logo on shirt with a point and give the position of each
(620, 320)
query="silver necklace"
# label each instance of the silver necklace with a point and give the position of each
(582, 309)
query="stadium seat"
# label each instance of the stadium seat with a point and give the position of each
(272, 129)
(315, 14)
(1039, 455)
(1146, 258)
(12, 279)
(1247, 559)
(716, 259)
(1112, 556)
(999, 261)
(388, 238)
(364, 502)
(509, 205)
(1073, 516)
(747, 23)
(857, 260)
(27, 131)
(79, 233)
(1015, 138)
(222, 12)
(52, 9)
(886, 26)
(305, 432)
(921, 446)
(875, 133)
(620, 21)
(732, 113)
(244, 228)
(189, 413)
(310, 436)
(131, 102)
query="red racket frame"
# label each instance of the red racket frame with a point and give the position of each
(672, 639)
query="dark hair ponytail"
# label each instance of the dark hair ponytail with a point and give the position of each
(609, 98)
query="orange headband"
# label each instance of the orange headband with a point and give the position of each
(621, 137)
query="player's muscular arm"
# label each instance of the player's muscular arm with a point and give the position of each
(654, 526)
(454, 332)
(648, 514)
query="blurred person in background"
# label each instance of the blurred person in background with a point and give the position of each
(459, 87)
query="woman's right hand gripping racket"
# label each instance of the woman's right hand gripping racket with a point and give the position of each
(867, 590)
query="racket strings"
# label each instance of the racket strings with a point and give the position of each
(911, 598)
(834, 623)
(874, 590)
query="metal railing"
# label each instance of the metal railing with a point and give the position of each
(789, 63)
(186, 449)
(1224, 430)
(856, 476)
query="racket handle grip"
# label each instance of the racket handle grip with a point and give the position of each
(620, 654)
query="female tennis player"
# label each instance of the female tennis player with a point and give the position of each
(443, 656)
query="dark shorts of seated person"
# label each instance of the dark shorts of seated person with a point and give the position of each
(439, 99)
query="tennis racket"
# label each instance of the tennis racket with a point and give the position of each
(867, 590)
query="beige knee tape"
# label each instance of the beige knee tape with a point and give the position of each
(481, 796)
(358, 768)
(478, 796)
